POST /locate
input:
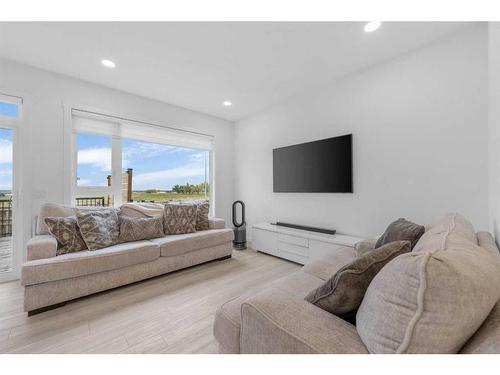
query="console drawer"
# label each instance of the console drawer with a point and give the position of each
(265, 241)
(294, 240)
(293, 257)
(295, 249)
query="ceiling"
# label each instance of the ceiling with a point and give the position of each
(199, 65)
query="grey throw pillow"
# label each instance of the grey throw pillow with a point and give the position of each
(67, 234)
(140, 228)
(99, 228)
(343, 292)
(401, 230)
(180, 218)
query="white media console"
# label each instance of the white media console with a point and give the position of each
(300, 246)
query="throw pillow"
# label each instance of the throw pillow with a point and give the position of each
(343, 292)
(202, 210)
(140, 228)
(99, 228)
(180, 218)
(67, 234)
(401, 230)
(430, 302)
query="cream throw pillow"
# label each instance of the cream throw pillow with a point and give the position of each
(430, 302)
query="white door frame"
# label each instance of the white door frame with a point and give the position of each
(15, 125)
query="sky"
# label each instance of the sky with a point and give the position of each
(5, 159)
(155, 166)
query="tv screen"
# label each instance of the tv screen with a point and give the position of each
(323, 166)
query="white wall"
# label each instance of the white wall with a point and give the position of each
(42, 136)
(494, 126)
(420, 132)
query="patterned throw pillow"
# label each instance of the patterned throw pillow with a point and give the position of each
(343, 292)
(67, 234)
(140, 228)
(180, 218)
(99, 228)
(202, 215)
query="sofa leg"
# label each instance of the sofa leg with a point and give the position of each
(46, 308)
(226, 257)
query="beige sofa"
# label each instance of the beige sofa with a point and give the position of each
(279, 320)
(50, 280)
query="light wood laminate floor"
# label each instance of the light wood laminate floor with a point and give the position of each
(169, 314)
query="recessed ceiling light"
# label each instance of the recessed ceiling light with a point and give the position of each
(372, 26)
(108, 63)
(227, 103)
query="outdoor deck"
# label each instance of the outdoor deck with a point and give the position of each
(5, 254)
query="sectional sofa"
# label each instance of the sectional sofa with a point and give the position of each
(443, 297)
(50, 280)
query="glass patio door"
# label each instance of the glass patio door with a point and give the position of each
(10, 115)
(6, 188)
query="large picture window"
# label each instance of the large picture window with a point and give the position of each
(119, 161)
(162, 173)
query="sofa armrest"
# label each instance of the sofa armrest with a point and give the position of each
(276, 322)
(216, 223)
(41, 247)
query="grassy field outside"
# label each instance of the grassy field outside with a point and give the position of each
(138, 196)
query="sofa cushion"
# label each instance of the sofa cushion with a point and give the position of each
(454, 225)
(298, 284)
(140, 228)
(342, 293)
(183, 243)
(88, 262)
(228, 317)
(430, 302)
(273, 322)
(67, 234)
(134, 209)
(180, 218)
(328, 265)
(487, 242)
(401, 230)
(487, 338)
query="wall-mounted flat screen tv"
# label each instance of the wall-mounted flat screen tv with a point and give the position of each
(323, 166)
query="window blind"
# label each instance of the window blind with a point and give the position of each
(123, 128)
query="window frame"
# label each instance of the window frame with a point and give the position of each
(71, 188)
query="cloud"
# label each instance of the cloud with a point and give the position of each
(148, 150)
(5, 151)
(85, 182)
(165, 179)
(96, 157)
(199, 156)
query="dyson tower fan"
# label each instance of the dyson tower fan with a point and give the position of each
(240, 229)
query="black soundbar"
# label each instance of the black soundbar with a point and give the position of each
(303, 227)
